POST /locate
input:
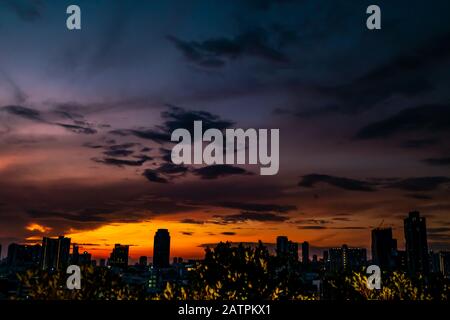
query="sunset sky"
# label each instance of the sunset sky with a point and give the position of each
(86, 118)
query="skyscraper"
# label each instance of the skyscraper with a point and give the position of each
(384, 248)
(282, 246)
(305, 253)
(161, 249)
(119, 256)
(20, 255)
(416, 243)
(55, 253)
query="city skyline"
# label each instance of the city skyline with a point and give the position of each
(382, 241)
(86, 117)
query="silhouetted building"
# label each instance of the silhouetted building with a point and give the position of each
(102, 263)
(75, 255)
(384, 248)
(353, 258)
(20, 255)
(400, 261)
(346, 259)
(282, 246)
(416, 243)
(85, 259)
(440, 263)
(119, 256)
(143, 261)
(55, 253)
(305, 253)
(286, 248)
(161, 249)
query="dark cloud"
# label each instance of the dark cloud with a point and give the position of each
(219, 170)
(419, 196)
(444, 161)
(258, 207)
(216, 52)
(419, 184)
(228, 233)
(252, 216)
(431, 118)
(120, 162)
(154, 176)
(176, 118)
(34, 115)
(314, 227)
(172, 169)
(311, 180)
(77, 217)
(419, 143)
(118, 153)
(77, 129)
(27, 10)
(191, 221)
(23, 112)
(187, 233)
(401, 75)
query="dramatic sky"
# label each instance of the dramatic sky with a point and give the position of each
(86, 118)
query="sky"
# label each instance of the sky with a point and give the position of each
(86, 118)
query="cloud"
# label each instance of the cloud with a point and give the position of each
(219, 170)
(78, 126)
(187, 233)
(419, 143)
(216, 52)
(252, 216)
(311, 180)
(153, 176)
(444, 161)
(120, 162)
(176, 118)
(315, 227)
(23, 112)
(419, 184)
(404, 74)
(433, 118)
(228, 233)
(118, 153)
(27, 10)
(418, 196)
(191, 221)
(257, 206)
(172, 169)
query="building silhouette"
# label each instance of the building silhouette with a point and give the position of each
(119, 256)
(55, 253)
(20, 255)
(416, 243)
(305, 253)
(287, 248)
(161, 249)
(143, 261)
(345, 259)
(384, 248)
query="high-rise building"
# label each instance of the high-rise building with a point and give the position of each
(282, 246)
(416, 243)
(305, 253)
(55, 253)
(102, 263)
(287, 248)
(346, 259)
(143, 261)
(119, 256)
(85, 259)
(161, 249)
(384, 248)
(353, 258)
(444, 263)
(20, 255)
(75, 255)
